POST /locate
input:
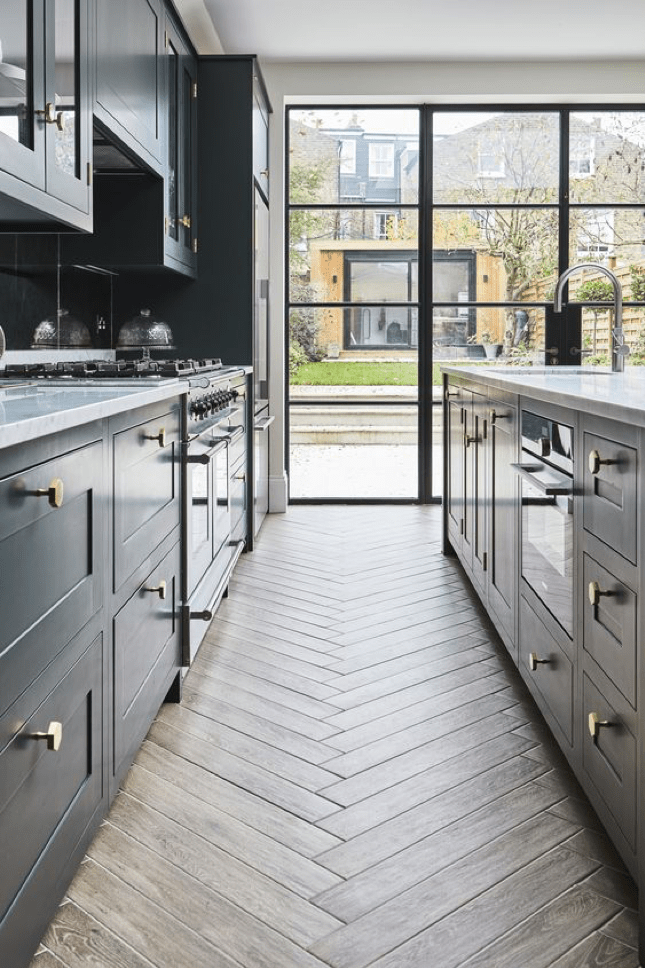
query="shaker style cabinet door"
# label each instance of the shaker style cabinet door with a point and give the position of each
(22, 91)
(146, 488)
(51, 562)
(68, 109)
(180, 108)
(45, 105)
(502, 523)
(129, 76)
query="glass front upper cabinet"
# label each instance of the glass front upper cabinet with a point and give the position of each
(44, 97)
(181, 120)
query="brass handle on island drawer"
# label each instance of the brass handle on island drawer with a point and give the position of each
(51, 116)
(54, 736)
(595, 462)
(594, 723)
(185, 221)
(534, 662)
(159, 589)
(595, 593)
(53, 493)
(160, 437)
(471, 440)
(494, 416)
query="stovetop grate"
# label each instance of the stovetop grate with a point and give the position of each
(110, 369)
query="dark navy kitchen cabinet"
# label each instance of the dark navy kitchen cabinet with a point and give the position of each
(53, 674)
(146, 497)
(45, 134)
(180, 104)
(90, 641)
(145, 187)
(128, 75)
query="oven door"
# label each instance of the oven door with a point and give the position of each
(207, 520)
(547, 539)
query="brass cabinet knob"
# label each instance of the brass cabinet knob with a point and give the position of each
(53, 736)
(265, 172)
(594, 722)
(53, 493)
(159, 589)
(160, 437)
(51, 116)
(495, 416)
(534, 662)
(185, 221)
(595, 462)
(240, 477)
(471, 440)
(595, 593)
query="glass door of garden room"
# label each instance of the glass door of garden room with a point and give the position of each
(418, 236)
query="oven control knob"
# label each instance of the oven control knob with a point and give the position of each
(545, 446)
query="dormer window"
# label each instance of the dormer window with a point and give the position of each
(381, 160)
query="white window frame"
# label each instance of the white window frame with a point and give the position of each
(381, 223)
(381, 159)
(582, 154)
(347, 157)
(603, 229)
(490, 164)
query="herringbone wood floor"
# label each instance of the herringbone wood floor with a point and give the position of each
(356, 776)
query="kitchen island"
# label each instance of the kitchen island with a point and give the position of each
(542, 506)
(90, 639)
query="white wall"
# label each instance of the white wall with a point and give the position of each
(408, 83)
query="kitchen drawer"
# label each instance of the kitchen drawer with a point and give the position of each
(610, 493)
(547, 670)
(146, 655)
(609, 760)
(48, 799)
(51, 558)
(610, 611)
(146, 489)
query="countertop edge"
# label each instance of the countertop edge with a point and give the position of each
(626, 385)
(44, 425)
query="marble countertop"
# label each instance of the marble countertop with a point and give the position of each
(33, 409)
(620, 396)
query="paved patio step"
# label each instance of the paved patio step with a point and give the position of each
(343, 434)
(354, 416)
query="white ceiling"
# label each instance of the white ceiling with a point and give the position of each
(431, 30)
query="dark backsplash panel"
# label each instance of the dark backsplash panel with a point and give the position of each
(34, 285)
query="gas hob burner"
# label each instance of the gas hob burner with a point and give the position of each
(188, 367)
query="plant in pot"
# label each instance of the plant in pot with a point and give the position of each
(491, 349)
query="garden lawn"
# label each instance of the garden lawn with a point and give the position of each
(359, 374)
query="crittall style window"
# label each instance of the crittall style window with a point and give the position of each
(443, 231)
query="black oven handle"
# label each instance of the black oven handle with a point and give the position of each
(529, 472)
(224, 441)
(208, 455)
